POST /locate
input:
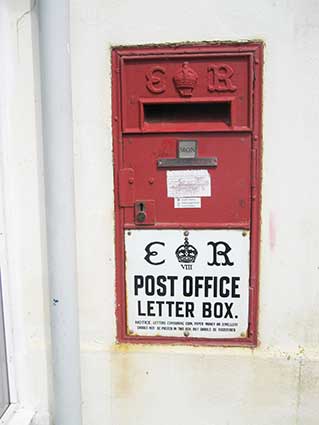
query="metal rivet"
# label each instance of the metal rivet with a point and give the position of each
(244, 233)
(151, 180)
(186, 233)
(186, 333)
(131, 180)
(129, 233)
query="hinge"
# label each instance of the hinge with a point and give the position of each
(254, 76)
(250, 331)
(253, 173)
(252, 284)
(255, 64)
(126, 187)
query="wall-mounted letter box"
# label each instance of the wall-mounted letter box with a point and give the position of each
(186, 129)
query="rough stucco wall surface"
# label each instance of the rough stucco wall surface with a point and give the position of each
(276, 383)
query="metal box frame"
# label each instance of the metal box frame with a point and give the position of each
(253, 53)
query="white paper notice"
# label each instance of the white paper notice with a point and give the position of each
(187, 202)
(188, 183)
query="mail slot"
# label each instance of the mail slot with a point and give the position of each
(187, 161)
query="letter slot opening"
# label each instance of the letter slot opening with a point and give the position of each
(195, 112)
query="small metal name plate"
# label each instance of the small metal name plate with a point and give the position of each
(186, 162)
(186, 157)
(187, 148)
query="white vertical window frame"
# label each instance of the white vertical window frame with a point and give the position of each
(27, 399)
(6, 349)
(5, 321)
(6, 72)
(4, 378)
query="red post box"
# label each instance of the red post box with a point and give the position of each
(187, 159)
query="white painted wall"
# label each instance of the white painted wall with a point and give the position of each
(276, 383)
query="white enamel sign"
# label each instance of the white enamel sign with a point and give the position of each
(191, 283)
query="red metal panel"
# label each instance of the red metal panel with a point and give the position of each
(149, 77)
(230, 200)
(218, 74)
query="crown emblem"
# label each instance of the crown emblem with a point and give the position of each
(185, 80)
(186, 253)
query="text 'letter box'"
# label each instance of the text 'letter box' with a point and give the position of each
(186, 129)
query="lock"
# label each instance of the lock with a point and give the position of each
(140, 215)
(144, 212)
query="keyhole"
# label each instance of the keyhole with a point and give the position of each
(141, 215)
